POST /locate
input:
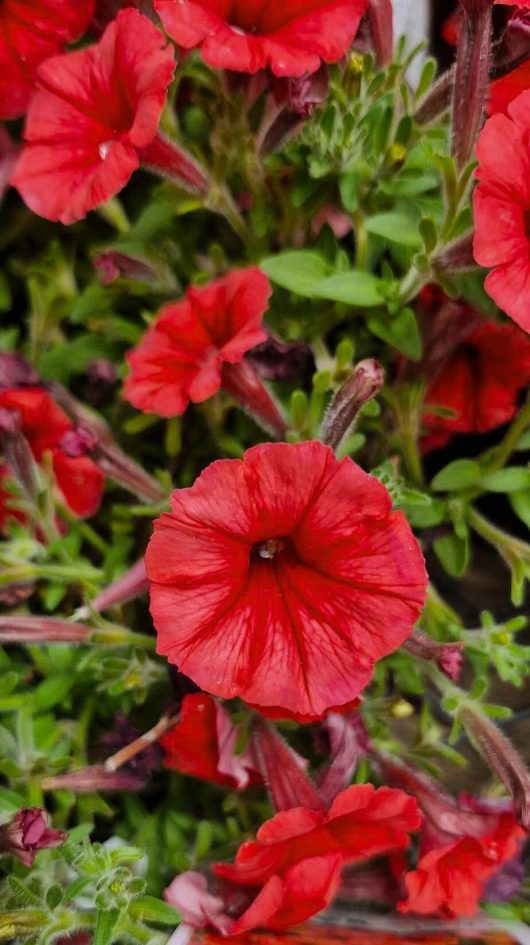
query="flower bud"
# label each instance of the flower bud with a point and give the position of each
(380, 17)
(287, 783)
(28, 832)
(111, 265)
(168, 159)
(448, 656)
(500, 755)
(94, 778)
(363, 384)
(15, 372)
(17, 452)
(242, 382)
(28, 629)
(471, 77)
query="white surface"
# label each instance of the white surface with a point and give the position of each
(412, 19)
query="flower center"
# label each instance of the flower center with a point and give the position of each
(526, 216)
(267, 550)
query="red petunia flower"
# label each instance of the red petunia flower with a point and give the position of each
(504, 90)
(282, 577)
(44, 424)
(248, 35)
(449, 879)
(478, 383)
(295, 863)
(182, 355)
(203, 745)
(502, 209)
(92, 116)
(32, 31)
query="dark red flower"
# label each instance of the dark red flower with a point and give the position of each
(30, 32)
(502, 209)
(43, 425)
(295, 863)
(449, 879)
(203, 745)
(248, 35)
(478, 383)
(93, 113)
(27, 833)
(282, 577)
(181, 356)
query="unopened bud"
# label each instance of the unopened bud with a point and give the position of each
(471, 77)
(78, 442)
(170, 160)
(363, 385)
(499, 753)
(27, 833)
(17, 452)
(288, 785)
(15, 372)
(448, 656)
(92, 779)
(242, 382)
(381, 19)
(111, 265)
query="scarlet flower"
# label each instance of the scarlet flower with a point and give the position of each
(43, 425)
(479, 383)
(295, 863)
(181, 356)
(203, 745)
(449, 879)
(502, 209)
(93, 114)
(504, 90)
(291, 38)
(282, 577)
(32, 31)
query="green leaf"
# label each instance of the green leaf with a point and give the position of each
(296, 270)
(460, 474)
(510, 479)
(105, 926)
(396, 227)
(52, 691)
(353, 288)
(520, 503)
(150, 909)
(400, 331)
(453, 553)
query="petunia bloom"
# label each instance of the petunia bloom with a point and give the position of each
(93, 117)
(181, 357)
(464, 843)
(502, 209)
(449, 879)
(197, 345)
(32, 31)
(294, 865)
(203, 745)
(44, 425)
(292, 39)
(478, 384)
(282, 577)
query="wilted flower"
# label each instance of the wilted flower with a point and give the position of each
(203, 744)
